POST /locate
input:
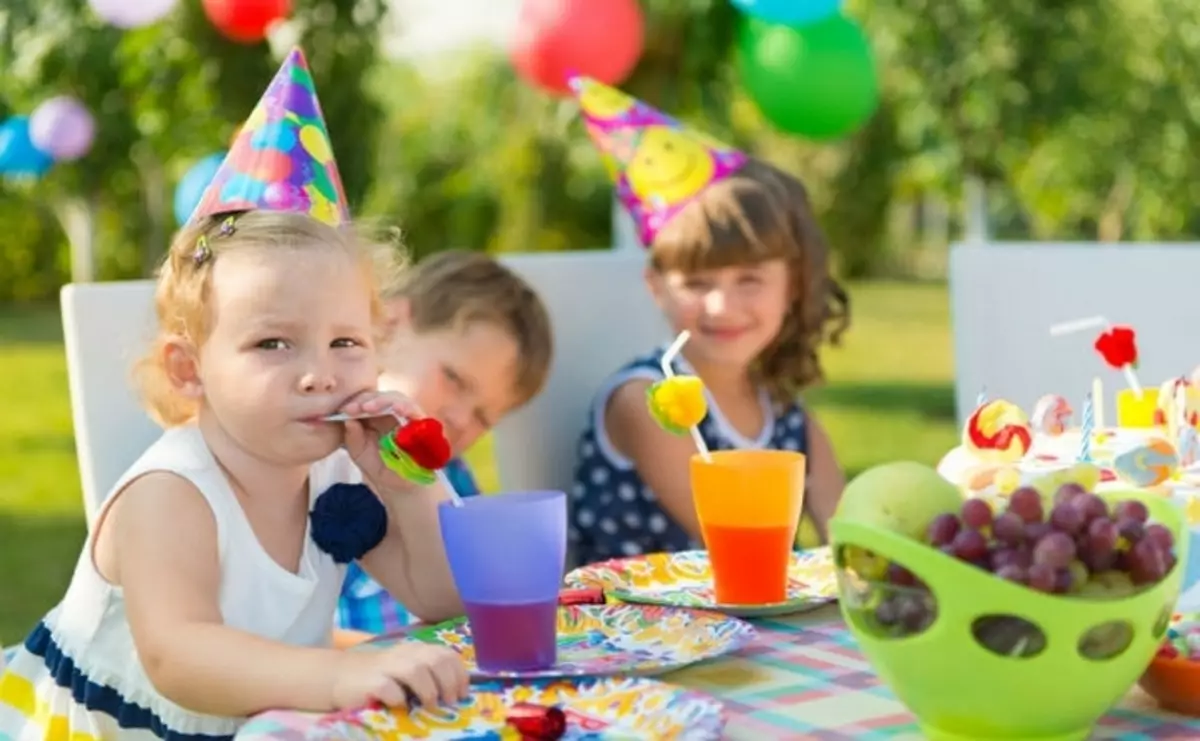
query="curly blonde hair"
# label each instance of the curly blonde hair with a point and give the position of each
(184, 287)
(758, 214)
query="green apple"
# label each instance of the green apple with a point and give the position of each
(902, 497)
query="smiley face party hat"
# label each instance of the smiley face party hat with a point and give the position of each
(657, 164)
(281, 159)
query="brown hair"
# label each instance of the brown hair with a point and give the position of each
(758, 214)
(185, 286)
(453, 288)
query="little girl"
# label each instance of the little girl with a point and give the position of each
(201, 596)
(737, 259)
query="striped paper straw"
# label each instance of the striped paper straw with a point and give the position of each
(1085, 434)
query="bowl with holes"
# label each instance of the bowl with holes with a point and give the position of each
(977, 657)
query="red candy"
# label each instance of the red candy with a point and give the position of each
(424, 441)
(537, 722)
(1118, 347)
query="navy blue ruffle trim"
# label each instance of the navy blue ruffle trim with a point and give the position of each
(348, 521)
(97, 697)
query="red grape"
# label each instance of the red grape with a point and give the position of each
(1055, 550)
(1147, 562)
(1091, 506)
(976, 513)
(942, 530)
(970, 545)
(1161, 535)
(1063, 581)
(1067, 492)
(1001, 557)
(1026, 503)
(1009, 528)
(1097, 561)
(1042, 577)
(901, 576)
(1035, 531)
(1012, 573)
(1131, 530)
(1131, 509)
(1066, 518)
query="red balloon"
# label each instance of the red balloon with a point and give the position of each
(601, 39)
(246, 21)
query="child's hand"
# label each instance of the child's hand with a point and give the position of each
(363, 435)
(431, 674)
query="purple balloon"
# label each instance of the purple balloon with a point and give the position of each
(62, 128)
(132, 13)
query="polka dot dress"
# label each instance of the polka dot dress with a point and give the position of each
(613, 512)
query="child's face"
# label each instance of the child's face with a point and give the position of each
(733, 313)
(290, 343)
(464, 377)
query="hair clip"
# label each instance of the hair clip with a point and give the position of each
(202, 253)
(227, 226)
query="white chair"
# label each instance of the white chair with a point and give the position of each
(602, 317)
(1004, 297)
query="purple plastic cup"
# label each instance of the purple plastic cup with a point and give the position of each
(507, 553)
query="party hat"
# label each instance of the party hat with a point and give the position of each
(657, 164)
(281, 159)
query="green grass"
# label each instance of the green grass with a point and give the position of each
(890, 397)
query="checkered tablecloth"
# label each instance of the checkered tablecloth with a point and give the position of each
(804, 678)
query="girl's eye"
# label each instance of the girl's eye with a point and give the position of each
(272, 343)
(750, 280)
(346, 342)
(451, 376)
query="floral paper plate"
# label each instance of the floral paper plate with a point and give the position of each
(684, 579)
(595, 709)
(603, 640)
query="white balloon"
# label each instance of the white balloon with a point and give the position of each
(132, 13)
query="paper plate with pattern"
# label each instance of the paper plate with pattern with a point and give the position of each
(684, 579)
(604, 640)
(597, 708)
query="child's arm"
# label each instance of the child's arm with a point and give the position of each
(826, 481)
(661, 459)
(165, 541)
(410, 562)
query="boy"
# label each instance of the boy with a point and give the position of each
(470, 342)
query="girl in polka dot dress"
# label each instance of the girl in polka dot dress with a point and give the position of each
(740, 263)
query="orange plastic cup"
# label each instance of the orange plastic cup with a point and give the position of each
(1135, 412)
(748, 503)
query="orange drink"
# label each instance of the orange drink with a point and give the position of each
(748, 503)
(1135, 412)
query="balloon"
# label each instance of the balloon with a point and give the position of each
(62, 128)
(789, 12)
(193, 184)
(18, 156)
(601, 39)
(246, 21)
(817, 81)
(132, 13)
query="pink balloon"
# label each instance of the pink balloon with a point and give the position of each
(132, 13)
(62, 128)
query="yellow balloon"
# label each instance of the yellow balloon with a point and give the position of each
(316, 143)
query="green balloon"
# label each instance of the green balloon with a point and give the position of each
(817, 80)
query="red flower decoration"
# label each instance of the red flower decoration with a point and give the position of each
(537, 722)
(424, 441)
(1118, 347)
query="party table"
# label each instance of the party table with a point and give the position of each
(804, 678)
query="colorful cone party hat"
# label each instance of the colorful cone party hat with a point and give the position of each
(657, 164)
(281, 159)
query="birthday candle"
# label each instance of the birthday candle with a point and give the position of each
(1085, 434)
(1098, 402)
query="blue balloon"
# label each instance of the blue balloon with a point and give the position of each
(191, 187)
(789, 12)
(18, 157)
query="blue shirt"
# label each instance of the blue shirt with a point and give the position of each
(364, 604)
(613, 513)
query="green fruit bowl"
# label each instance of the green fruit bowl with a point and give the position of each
(978, 658)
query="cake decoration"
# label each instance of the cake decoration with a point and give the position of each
(1148, 464)
(416, 449)
(1051, 415)
(998, 432)
(677, 403)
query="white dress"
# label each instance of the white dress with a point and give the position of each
(78, 676)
